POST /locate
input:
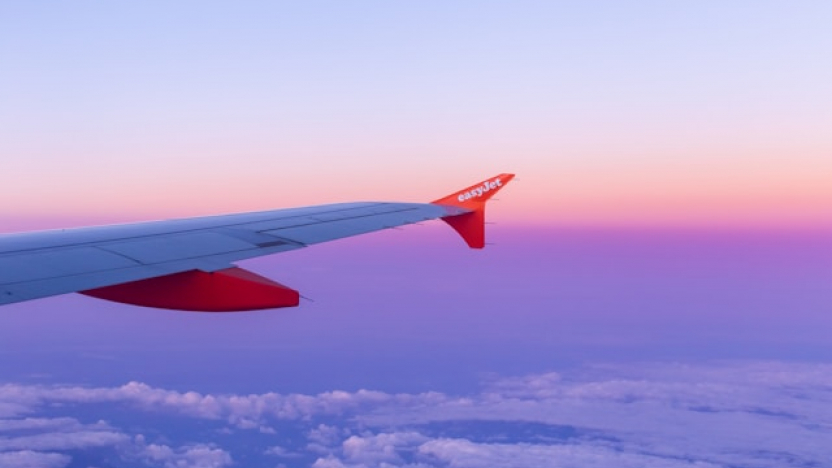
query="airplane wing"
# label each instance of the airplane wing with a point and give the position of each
(188, 264)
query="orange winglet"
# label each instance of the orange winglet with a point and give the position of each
(471, 225)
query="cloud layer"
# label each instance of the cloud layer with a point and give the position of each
(757, 414)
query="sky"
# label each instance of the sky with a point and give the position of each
(644, 113)
(656, 291)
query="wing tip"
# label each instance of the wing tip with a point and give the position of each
(470, 225)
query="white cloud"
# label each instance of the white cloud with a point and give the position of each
(388, 450)
(63, 440)
(378, 448)
(718, 413)
(52, 424)
(326, 435)
(32, 435)
(456, 453)
(279, 451)
(331, 462)
(245, 410)
(63, 434)
(192, 456)
(30, 459)
(325, 438)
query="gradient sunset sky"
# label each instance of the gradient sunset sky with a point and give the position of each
(611, 113)
(658, 292)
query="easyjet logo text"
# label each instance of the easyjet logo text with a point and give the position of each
(477, 192)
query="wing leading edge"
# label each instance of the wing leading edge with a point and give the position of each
(187, 264)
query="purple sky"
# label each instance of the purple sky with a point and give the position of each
(416, 304)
